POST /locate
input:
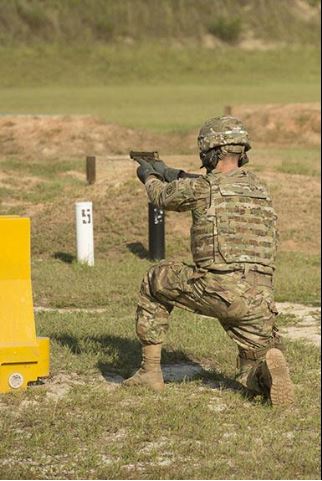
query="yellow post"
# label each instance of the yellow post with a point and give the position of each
(23, 356)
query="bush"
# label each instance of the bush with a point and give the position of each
(314, 3)
(33, 15)
(228, 29)
(103, 29)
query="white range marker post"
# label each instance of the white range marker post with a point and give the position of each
(84, 233)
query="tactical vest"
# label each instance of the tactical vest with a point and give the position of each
(238, 229)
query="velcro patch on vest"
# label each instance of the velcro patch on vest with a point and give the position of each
(243, 190)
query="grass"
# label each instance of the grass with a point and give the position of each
(77, 425)
(159, 108)
(227, 29)
(300, 160)
(204, 428)
(297, 280)
(121, 231)
(26, 21)
(81, 424)
(38, 169)
(58, 58)
(150, 86)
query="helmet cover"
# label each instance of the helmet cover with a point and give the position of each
(220, 131)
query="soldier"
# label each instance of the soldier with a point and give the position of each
(233, 244)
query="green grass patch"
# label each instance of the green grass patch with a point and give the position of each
(203, 428)
(164, 108)
(298, 160)
(110, 20)
(5, 192)
(227, 29)
(46, 183)
(62, 282)
(298, 168)
(298, 278)
(154, 64)
(40, 169)
(166, 89)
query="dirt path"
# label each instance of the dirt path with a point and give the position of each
(307, 322)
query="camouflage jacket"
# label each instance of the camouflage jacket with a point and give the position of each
(233, 221)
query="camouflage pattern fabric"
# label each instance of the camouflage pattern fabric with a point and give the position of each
(239, 226)
(242, 303)
(222, 131)
(237, 241)
(233, 222)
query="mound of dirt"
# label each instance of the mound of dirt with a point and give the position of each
(36, 137)
(282, 124)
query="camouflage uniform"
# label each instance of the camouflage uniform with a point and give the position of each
(233, 243)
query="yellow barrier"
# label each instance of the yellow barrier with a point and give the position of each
(23, 356)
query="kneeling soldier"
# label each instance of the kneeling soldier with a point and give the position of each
(233, 243)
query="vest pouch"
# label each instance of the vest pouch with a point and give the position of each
(246, 224)
(202, 241)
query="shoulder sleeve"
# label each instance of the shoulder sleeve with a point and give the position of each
(179, 195)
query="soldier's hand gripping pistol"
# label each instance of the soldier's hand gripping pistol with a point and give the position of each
(150, 161)
(146, 161)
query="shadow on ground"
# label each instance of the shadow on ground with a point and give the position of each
(138, 249)
(65, 257)
(125, 357)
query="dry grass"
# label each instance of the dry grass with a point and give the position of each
(81, 424)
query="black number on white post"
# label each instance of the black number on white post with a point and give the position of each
(86, 216)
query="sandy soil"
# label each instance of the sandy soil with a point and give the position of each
(36, 136)
(307, 322)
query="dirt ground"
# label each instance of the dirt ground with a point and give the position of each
(41, 136)
(307, 324)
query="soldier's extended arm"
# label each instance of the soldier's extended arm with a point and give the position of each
(168, 173)
(178, 195)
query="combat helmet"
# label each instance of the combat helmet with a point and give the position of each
(222, 135)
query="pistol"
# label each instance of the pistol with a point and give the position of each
(147, 156)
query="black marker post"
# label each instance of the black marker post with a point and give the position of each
(156, 233)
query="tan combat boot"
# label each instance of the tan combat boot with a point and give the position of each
(276, 378)
(150, 373)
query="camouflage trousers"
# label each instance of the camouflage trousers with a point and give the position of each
(243, 304)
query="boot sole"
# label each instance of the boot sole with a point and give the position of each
(282, 389)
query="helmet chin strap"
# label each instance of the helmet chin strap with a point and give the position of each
(211, 158)
(243, 160)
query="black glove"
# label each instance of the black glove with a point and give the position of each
(159, 166)
(171, 174)
(145, 170)
(168, 173)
